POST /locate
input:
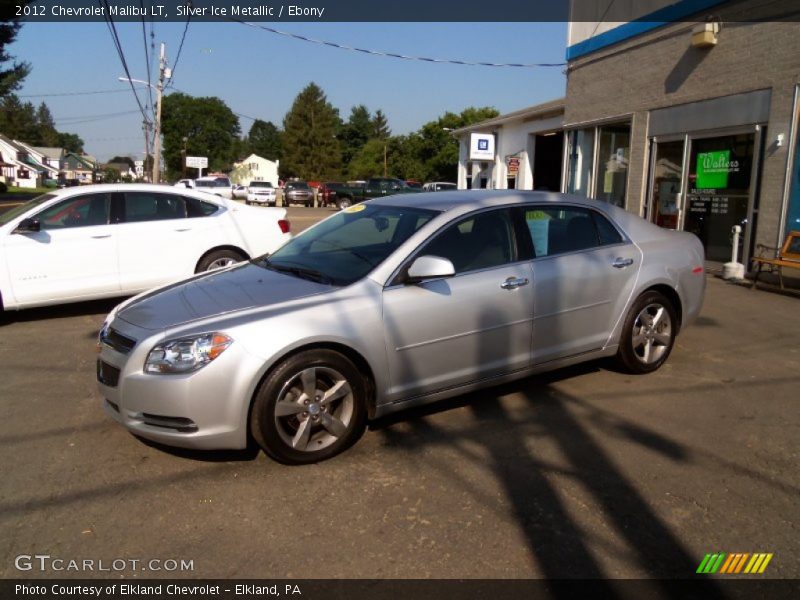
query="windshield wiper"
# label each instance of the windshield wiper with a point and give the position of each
(302, 272)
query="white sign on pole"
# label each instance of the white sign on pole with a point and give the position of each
(481, 146)
(197, 162)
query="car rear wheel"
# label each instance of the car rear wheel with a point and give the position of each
(343, 203)
(218, 259)
(648, 334)
(310, 408)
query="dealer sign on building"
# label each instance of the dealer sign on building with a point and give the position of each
(481, 146)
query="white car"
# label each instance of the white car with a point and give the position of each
(103, 241)
(261, 192)
(185, 183)
(219, 186)
(240, 192)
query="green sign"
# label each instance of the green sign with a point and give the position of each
(713, 168)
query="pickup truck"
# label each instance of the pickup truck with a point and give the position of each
(376, 187)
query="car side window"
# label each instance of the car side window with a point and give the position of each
(149, 206)
(82, 211)
(607, 232)
(481, 241)
(198, 208)
(556, 230)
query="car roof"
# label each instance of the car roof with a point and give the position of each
(134, 187)
(456, 202)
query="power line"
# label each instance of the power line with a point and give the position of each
(180, 48)
(87, 118)
(114, 91)
(394, 55)
(115, 39)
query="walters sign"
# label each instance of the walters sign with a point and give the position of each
(713, 169)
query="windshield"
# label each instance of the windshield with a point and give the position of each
(296, 186)
(347, 246)
(261, 184)
(12, 214)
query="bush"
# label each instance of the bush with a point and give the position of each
(3, 188)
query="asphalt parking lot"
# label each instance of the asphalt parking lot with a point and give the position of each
(585, 472)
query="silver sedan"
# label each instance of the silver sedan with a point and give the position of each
(389, 304)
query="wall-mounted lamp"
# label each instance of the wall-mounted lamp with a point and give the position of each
(705, 35)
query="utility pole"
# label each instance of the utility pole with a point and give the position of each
(163, 74)
(146, 127)
(385, 146)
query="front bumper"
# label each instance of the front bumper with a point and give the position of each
(206, 409)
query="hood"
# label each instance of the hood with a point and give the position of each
(239, 288)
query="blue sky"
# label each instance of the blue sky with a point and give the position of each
(259, 74)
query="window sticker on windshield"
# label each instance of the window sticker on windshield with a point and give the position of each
(355, 209)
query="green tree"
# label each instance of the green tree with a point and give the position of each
(210, 127)
(380, 126)
(12, 72)
(18, 120)
(368, 162)
(310, 147)
(48, 136)
(355, 133)
(71, 142)
(265, 139)
(111, 175)
(124, 159)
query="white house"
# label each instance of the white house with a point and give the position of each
(522, 150)
(47, 161)
(19, 172)
(255, 168)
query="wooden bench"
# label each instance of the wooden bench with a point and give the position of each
(789, 256)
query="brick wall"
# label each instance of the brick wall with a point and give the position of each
(661, 69)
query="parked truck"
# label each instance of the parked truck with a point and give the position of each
(375, 187)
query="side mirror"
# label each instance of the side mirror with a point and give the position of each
(28, 225)
(429, 267)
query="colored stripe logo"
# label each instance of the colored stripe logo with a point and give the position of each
(734, 563)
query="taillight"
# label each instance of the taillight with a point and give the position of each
(697, 270)
(285, 226)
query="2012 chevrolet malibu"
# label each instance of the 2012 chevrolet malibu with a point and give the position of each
(389, 304)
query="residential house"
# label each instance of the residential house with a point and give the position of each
(46, 161)
(20, 173)
(255, 168)
(80, 168)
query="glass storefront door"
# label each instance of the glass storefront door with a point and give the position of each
(667, 180)
(719, 190)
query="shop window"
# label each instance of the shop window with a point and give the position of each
(612, 165)
(581, 150)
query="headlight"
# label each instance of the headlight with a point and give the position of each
(184, 355)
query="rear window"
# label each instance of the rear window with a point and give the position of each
(199, 208)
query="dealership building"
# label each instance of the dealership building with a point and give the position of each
(685, 113)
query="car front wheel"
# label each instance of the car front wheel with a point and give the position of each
(310, 408)
(344, 203)
(648, 334)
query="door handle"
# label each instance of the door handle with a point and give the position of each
(100, 237)
(184, 229)
(621, 263)
(513, 283)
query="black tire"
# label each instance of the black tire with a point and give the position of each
(276, 434)
(212, 260)
(343, 203)
(644, 346)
